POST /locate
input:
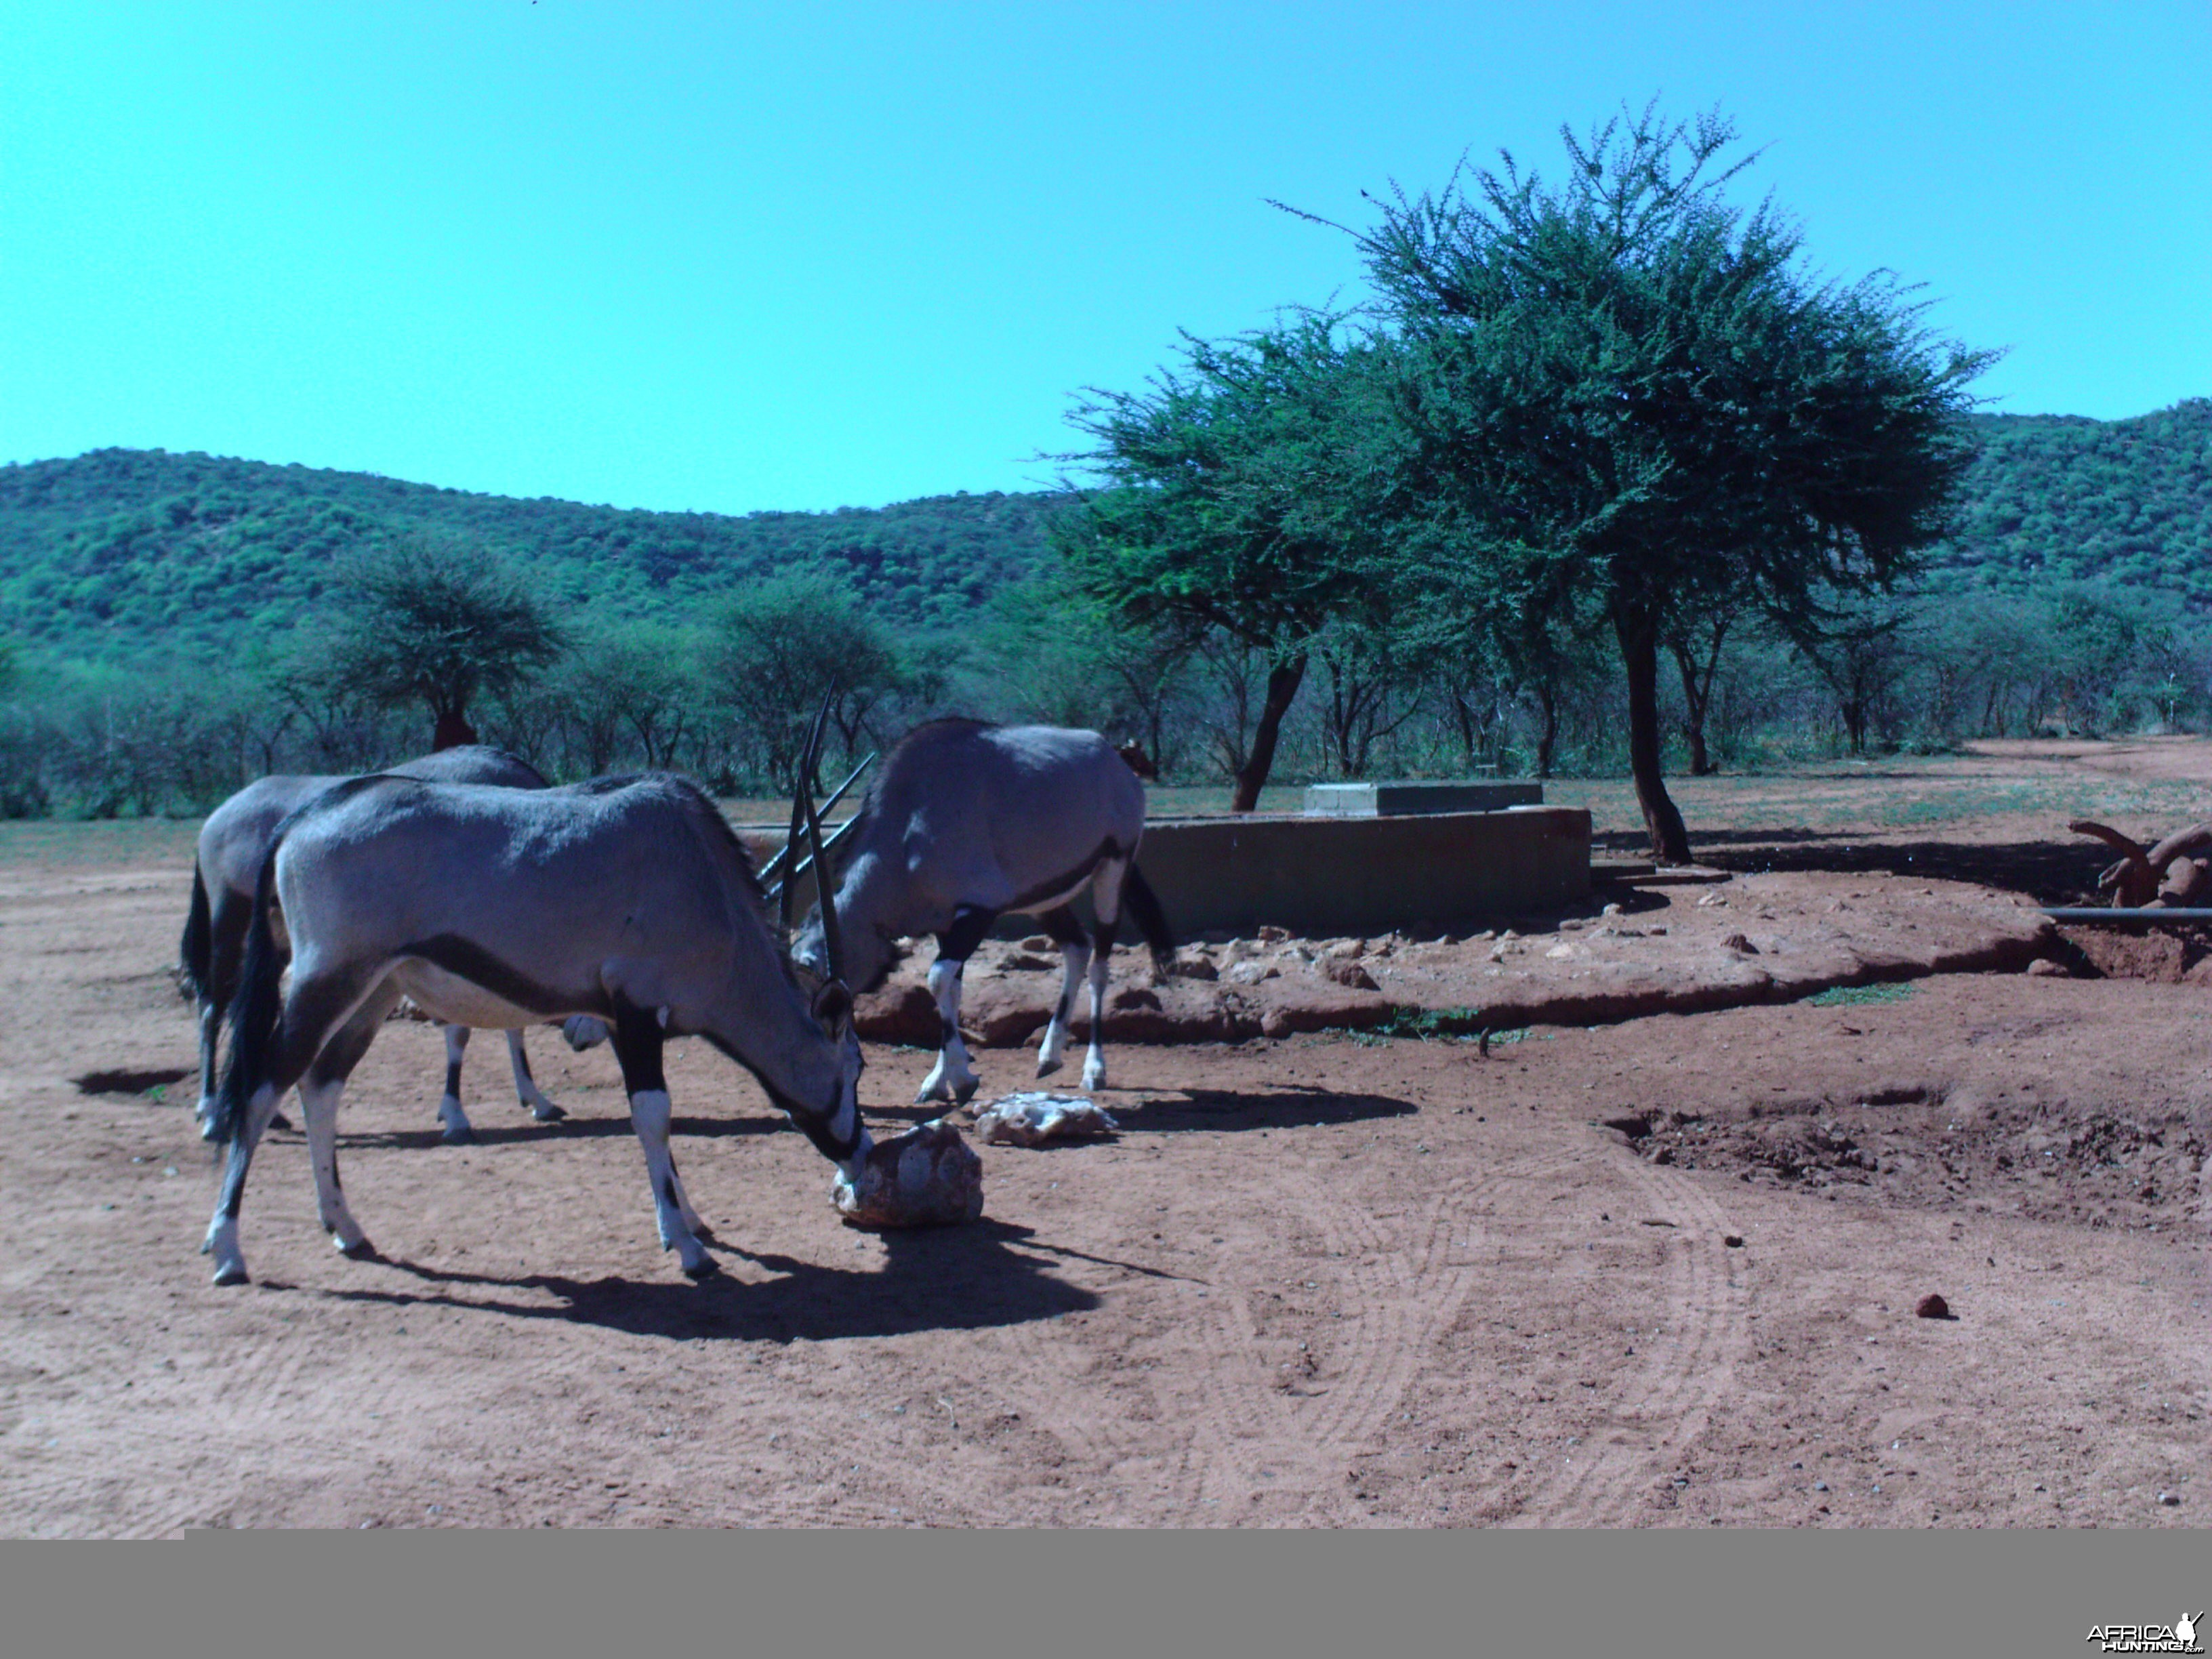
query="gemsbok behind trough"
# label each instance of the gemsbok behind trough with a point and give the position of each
(627, 899)
(234, 843)
(968, 822)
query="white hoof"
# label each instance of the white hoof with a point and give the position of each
(1046, 1067)
(1094, 1077)
(222, 1243)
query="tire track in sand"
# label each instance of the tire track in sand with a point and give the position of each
(1241, 1420)
(1689, 1365)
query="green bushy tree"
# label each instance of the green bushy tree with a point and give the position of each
(1623, 391)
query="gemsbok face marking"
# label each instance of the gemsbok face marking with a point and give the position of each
(966, 823)
(626, 900)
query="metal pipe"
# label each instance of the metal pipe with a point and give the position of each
(827, 847)
(2096, 916)
(769, 870)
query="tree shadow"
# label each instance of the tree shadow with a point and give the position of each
(2051, 872)
(1289, 1106)
(957, 1279)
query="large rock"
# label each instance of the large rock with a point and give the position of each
(900, 1012)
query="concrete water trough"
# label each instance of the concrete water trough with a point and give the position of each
(1330, 873)
(1393, 800)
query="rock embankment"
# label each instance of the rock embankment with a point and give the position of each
(1753, 939)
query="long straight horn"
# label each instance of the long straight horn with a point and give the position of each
(832, 944)
(788, 858)
(802, 787)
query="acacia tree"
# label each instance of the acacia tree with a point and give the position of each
(435, 623)
(1625, 383)
(1246, 496)
(1083, 665)
(778, 645)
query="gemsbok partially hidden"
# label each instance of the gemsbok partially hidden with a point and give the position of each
(234, 843)
(967, 822)
(627, 899)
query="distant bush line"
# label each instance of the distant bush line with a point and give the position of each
(161, 613)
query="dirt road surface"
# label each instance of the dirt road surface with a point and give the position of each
(1661, 1271)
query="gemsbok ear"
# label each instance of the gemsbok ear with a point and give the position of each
(833, 1006)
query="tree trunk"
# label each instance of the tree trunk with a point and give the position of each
(1639, 656)
(452, 730)
(1698, 696)
(1283, 682)
(1547, 739)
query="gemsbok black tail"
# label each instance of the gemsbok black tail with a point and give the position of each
(254, 1010)
(1152, 922)
(196, 951)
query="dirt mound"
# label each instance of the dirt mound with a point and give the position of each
(2098, 1168)
(2165, 956)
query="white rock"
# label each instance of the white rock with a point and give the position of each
(1030, 1119)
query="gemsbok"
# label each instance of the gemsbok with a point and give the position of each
(968, 822)
(627, 899)
(234, 843)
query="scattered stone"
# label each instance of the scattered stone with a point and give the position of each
(1739, 944)
(1133, 996)
(1819, 1485)
(1933, 1307)
(2171, 1499)
(2045, 968)
(1344, 971)
(1027, 962)
(1559, 952)
(1734, 1240)
(1038, 942)
(1610, 910)
(1032, 1118)
(1273, 935)
(1195, 965)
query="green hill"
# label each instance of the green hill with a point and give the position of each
(103, 553)
(2060, 498)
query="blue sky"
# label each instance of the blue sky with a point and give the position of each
(734, 256)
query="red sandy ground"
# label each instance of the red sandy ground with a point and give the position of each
(1318, 1279)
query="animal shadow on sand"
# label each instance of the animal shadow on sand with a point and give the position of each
(966, 1278)
(571, 1128)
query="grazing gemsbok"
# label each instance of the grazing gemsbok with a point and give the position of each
(628, 899)
(968, 822)
(234, 843)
